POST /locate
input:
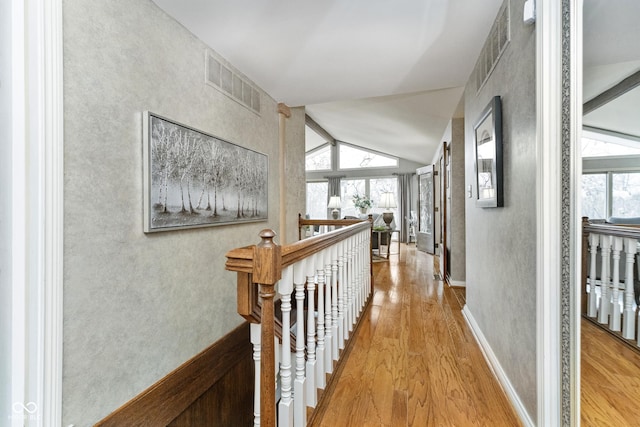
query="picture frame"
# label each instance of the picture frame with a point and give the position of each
(193, 179)
(488, 157)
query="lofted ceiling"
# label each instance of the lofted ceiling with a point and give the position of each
(389, 75)
(381, 74)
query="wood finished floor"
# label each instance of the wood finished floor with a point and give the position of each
(610, 381)
(415, 362)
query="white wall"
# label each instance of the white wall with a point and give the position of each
(501, 242)
(137, 306)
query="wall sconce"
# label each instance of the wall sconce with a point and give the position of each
(387, 202)
(335, 204)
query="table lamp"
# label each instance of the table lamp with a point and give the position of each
(387, 202)
(335, 204)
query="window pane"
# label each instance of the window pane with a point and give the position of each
(317, 198)
(349, 188)
(626, 195)
(319, 160)
(600, 145)
(594, 190)
(355, 158)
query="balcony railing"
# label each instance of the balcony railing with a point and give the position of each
(328, 279)
(609, 260)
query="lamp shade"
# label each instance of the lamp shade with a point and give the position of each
(334, 202)
(387, 201)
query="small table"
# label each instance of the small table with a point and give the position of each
(388, 234)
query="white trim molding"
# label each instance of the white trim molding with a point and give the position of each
(54, 212)
(495, 366)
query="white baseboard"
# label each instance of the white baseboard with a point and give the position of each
(458, 283)
(498, 372)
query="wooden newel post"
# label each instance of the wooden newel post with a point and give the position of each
(267, 270)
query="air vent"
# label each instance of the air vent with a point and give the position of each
(495, 45)
(232, 84)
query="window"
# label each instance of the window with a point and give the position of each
(378, 186)
(317, 198)
(348, 189)
(319, 160)
(611, 194)
(598, 144)
(594, 195)
(625, 194)
(356, 158)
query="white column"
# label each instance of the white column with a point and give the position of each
(592, 302)
(285, 407)
(605, 295)
(614, 318)
(628, 328)
(256, 335)
(299, 391)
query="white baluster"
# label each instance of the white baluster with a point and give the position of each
(285, 407)
(614, 318)
(299, 391)
(256, 339)
(605, 295)
(342, 293)
(328, 337)
(359, 279)
(350, 288)
(320, 377)
(334, 302)
(628, 328)
(367, 251)
(312, 395)
(592, 302)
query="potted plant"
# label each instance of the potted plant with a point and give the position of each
(362, 202)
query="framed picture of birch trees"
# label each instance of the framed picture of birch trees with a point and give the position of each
(193, 179)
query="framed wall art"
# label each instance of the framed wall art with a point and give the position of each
(488, 156)
(193, 179)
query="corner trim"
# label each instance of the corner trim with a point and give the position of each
(496, 368)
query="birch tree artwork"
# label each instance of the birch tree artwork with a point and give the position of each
(197, 180)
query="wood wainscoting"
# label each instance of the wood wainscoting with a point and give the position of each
(214, 388)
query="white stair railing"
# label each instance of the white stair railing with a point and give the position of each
(328, 277)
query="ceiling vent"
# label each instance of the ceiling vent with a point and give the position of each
(226, 80)
(495, 45)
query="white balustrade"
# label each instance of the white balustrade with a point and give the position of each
(327, 291)
(610, 291)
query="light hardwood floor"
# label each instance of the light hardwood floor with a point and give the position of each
(414, 362)
(610, 382)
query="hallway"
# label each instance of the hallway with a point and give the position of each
(415, 362)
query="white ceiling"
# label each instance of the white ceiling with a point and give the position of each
(377, 73)
(382, 74)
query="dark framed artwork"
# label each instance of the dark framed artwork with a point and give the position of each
(488, 156)
(193, 179)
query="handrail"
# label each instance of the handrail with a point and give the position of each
(264, 265)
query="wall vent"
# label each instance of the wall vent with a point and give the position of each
(237, 87)
(495, 45)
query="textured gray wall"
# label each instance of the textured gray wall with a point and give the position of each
(136, 306)
(501, 242)
(456, 207)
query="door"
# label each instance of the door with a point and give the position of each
(425, 236)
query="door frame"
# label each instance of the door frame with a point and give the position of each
(558, 118)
